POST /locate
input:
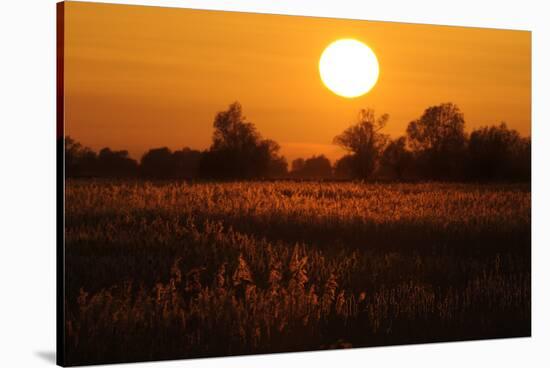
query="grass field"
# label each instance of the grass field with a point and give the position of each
(172, 269)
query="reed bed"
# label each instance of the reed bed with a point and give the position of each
(163, 270)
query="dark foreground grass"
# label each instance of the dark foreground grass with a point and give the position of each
(177, 270)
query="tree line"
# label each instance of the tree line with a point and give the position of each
(435, 147)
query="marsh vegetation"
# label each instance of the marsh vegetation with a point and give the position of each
(172, 269)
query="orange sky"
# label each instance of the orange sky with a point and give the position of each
(139, 77)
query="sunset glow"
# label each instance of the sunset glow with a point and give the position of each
(142, 77)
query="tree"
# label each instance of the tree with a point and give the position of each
(298, 164)
(157, 163)
(73, 151)
(396, 157)
(364, 142)
(186, 163)
(343, 168)
(268, 152)
(162, 163)
(315, 167)
(79, 160)
(278, 168)
(115, 164)
(498, 153)
(438, 141)
(238, 150)
(232, 132)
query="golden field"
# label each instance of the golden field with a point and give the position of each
(161, 270)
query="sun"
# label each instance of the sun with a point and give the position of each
(349, 68)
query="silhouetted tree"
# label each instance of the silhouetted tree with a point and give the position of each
(438, 141)
(364, 142)
(237, 150)
(116, 164)
(162, 163)
(233, 132)
(298, 164)
(278, 168)
(79, 160)
(344, 167)
(186, 163)
(315, 167)
(157, 163)
(436, 147)
(396, 157)
(268, 160)
(72, 153)
(498, 153)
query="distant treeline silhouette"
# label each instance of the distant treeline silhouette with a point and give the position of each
(435, 147)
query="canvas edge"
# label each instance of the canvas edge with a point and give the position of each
(60, 181)
(60, 185)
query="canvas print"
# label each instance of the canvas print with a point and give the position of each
(238, 183)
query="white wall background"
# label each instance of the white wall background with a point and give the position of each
(27, 197)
